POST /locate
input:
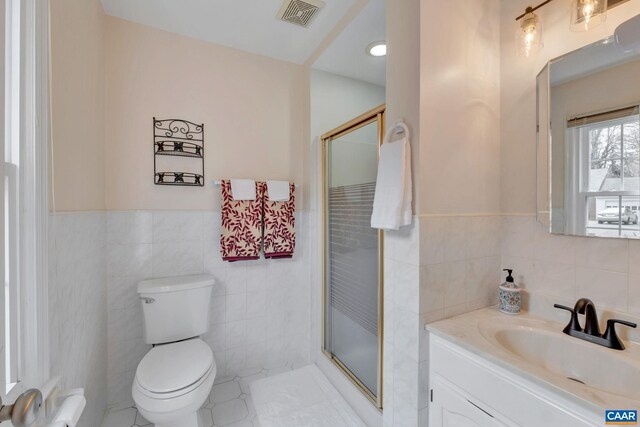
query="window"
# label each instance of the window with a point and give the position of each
(607, 147)
(11, 198)
(24, 206)
(614, 158)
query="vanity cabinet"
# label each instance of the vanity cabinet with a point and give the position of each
(451, 408)
(467, 390)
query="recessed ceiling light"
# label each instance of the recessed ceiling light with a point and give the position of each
(377, 48)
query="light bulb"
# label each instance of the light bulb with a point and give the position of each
(529, 35)
(587, 11)
(587, 14)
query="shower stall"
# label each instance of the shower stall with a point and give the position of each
(352, 261)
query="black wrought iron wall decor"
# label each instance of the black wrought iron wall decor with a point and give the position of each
(178, 138)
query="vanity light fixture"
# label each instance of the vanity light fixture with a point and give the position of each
(378, 48)
(529, 33)
(587, 14)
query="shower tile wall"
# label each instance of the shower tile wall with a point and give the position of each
(259, 309)
(77, 307)
(404, 340)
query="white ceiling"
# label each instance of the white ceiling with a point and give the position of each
(249, 25)
(346, 56)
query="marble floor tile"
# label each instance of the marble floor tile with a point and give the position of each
(125, 417)
(228, 405)
(224, 392)
(230, 412)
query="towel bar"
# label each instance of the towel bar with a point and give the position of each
(219, 182)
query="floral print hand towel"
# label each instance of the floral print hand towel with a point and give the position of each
(279, 225)
(241, 228)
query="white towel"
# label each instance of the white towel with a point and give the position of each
(278, 191)
(392, 200)
(243, 189)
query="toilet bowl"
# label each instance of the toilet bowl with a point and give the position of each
(173, 381)
(175, 377)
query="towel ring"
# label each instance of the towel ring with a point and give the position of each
(397, 128)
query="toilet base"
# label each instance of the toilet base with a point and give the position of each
(178, 409)
(181, 411)
(191, 420)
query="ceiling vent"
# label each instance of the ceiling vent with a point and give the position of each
(300, 12)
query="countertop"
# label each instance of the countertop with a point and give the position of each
(472, 332)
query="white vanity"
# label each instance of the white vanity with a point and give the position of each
(488, 369)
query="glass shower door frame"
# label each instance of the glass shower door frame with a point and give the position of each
(373, 116)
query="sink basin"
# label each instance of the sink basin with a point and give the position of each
(537, 344)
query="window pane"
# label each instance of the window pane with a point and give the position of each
(605, 175)
(605, 143)
(631, 138)
(613, 216)
(631, 167)
(630, 226)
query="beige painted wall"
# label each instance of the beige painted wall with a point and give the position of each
(335, 100)
(460, 107)
(518, 94)
(255, 110)
(403, 75)
(77, 52)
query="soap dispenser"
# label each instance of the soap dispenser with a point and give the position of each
(510, 295)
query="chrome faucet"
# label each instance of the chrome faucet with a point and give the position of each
(591, 330)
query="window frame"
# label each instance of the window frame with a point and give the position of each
(579, 217)
(584, 139)
(29, 120)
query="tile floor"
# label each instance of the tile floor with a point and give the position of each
(229, 404)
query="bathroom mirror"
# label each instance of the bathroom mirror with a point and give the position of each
(588, 156)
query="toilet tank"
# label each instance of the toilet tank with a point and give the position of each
(175, 308)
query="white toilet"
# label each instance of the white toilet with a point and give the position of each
(175, 377)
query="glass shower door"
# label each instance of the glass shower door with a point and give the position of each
(353, 265)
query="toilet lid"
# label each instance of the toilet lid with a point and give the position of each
(170, 367)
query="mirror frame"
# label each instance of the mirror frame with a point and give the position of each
(543, 213)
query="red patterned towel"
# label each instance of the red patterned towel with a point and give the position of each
(279, 225)
(241, 228)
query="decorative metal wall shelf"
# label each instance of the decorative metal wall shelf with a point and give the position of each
(178, 138)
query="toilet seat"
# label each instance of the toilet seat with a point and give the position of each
(172, 370)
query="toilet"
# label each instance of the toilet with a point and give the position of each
(175, 377)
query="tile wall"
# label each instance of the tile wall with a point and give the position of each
(605, 270)
(259, 309)
(439, 267)
(460, 259)
(78, 307)
(445, 266)
(404, 350)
